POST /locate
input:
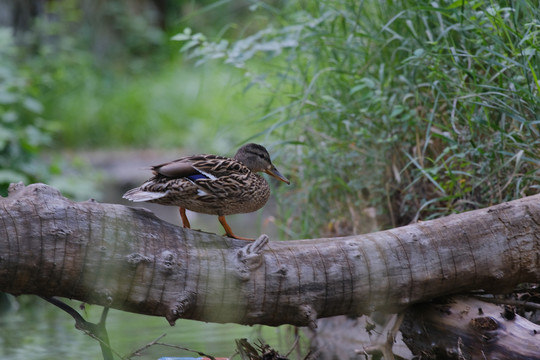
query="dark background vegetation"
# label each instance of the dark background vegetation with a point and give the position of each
(381, 113)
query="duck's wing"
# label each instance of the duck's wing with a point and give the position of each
(214, 176)
(197, 167)
(219, 177)
(203, 176)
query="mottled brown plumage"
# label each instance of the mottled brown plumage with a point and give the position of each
(211, 184)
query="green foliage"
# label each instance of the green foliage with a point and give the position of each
(417, 110)
(106, 79)
(25, 134)
(109, 77)
(170, 108)
(22, 130)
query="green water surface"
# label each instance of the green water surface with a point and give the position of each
(33, 329)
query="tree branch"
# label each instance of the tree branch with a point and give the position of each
(97, 331)
(126, 258)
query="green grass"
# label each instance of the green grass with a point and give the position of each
(175, 106)
(413, 110)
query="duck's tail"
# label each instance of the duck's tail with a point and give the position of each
(138, 195)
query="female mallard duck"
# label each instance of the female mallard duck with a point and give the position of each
(211, 184)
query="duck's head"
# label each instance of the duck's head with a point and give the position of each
(256, 158)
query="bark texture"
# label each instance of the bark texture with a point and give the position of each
(127, 258)
(466, 328)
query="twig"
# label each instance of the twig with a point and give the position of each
(141, 349)
(525, 304)
(186, 349)
(79, 320)
(295, 343)
(103, 317)
(95, 331)
(156, 342)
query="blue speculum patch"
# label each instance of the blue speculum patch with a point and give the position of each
(196, 177)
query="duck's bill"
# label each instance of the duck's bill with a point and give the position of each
(275, 173)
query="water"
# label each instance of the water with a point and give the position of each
(40, 331)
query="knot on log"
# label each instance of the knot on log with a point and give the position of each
(15, 187)
(484, 324)
(34, 189)
(168, 261)
(177, 310)
(307, 315)
(104, 297)
(135, 259)
(249, 257)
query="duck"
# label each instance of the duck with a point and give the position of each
(211, 184)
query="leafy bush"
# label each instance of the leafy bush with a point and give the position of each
(171, 108)
(81, 78)
(22, 130)
(106, 77)
(25, 135)
(413, 110)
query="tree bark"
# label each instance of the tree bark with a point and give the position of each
(127, 258)
(467, 328)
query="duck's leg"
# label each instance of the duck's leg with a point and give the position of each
(185, 221)
(229, 231)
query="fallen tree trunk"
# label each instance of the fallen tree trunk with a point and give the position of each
(126, 258)
(453, 328)
(467, 328)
